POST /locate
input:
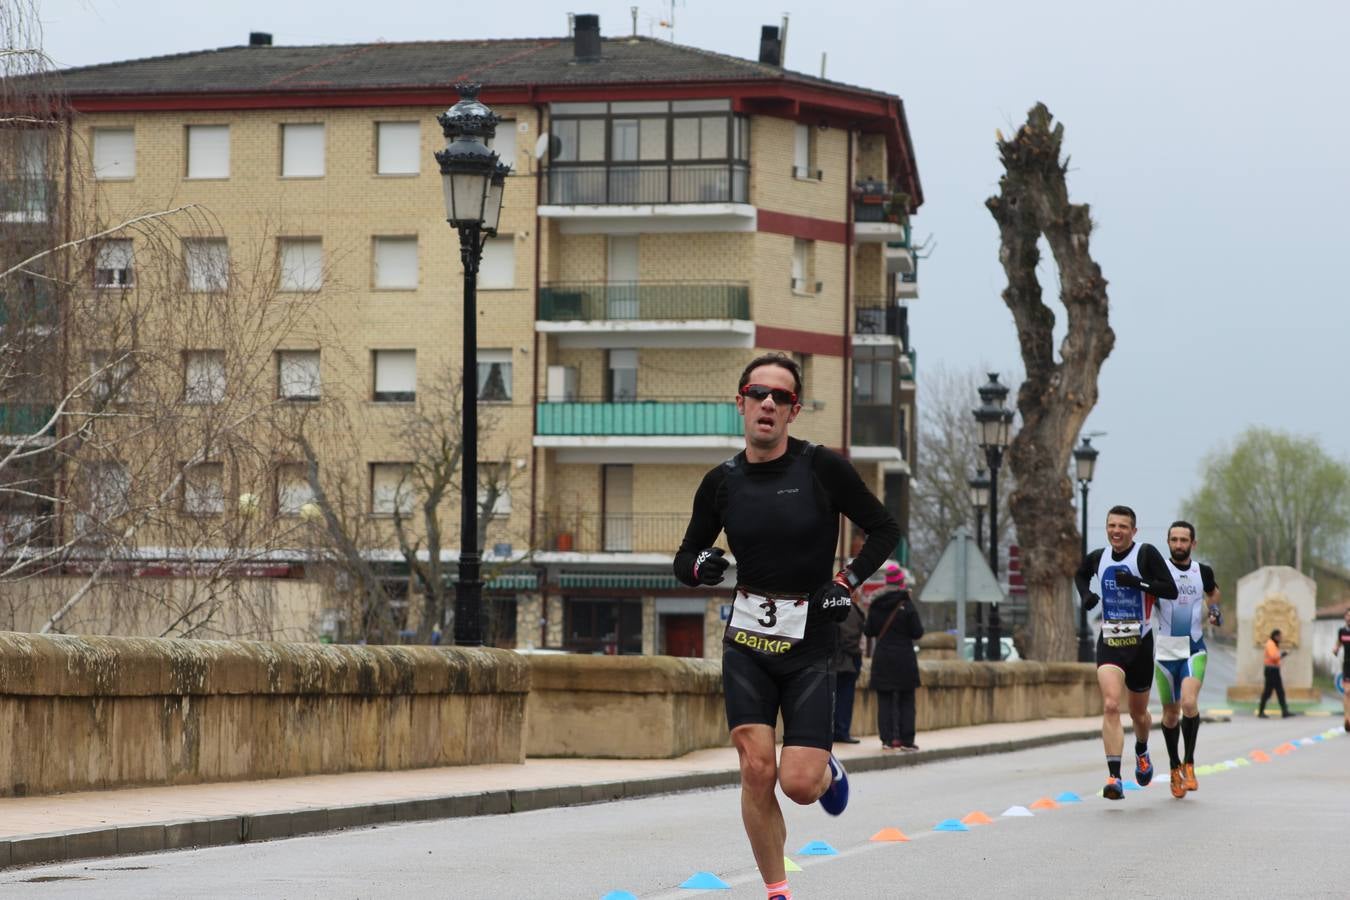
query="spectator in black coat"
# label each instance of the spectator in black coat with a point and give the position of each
(894, 621)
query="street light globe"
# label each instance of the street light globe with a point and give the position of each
(249, 504)
(310, 512)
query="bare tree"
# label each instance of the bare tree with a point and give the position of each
(1057, 394)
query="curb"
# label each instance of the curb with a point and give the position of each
(220, 831)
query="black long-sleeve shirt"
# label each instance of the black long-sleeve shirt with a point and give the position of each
(1153, 572)
(781, 520)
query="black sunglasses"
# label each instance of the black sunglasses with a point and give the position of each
(758, 392)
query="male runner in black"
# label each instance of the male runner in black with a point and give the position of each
(1343, 651)
(779, 503)
(1132, 576)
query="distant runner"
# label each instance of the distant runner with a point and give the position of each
(1131, 577)
(779, 502)
(1343, 651)
(1181, 653)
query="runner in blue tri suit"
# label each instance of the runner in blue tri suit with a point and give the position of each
(1131, 577)
(1180, 651)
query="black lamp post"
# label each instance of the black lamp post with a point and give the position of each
(1084, 461)
(473, 182)
(995, 421)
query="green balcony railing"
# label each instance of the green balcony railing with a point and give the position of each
(25, 418)
(26, 199)
(639, 418)
(645, 300)
(27, 303)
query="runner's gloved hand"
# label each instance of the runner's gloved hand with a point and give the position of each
(1128, 580)
(710, 567)
(834, 598)
(1090, 602)
(1215, 615)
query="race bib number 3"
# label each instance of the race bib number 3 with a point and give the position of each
(768, 625)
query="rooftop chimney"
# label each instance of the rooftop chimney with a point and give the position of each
(259, 39)
(586, 40)
(770, 47)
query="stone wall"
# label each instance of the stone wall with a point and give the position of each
(650, 708)
(80, 713)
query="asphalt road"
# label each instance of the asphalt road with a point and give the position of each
(1261, 830)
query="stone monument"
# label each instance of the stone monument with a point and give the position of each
(1275, 597)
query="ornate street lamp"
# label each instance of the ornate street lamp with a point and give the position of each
(1084, 462)
(995, 421)
(473, 182)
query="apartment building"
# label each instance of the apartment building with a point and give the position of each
(671, 212)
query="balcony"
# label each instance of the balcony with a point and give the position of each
(879, 318)
(28, 303)
(26, 199)
(674, 431)
(907, 285)
(899, 256)
(647, 314)
(877, 433)
(627, 198)
(25, 420)
(594, 532)
(878, 214)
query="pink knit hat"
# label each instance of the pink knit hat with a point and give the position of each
(894, 574)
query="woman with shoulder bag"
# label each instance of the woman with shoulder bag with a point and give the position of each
(894, 621)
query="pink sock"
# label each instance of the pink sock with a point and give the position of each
(779, 890)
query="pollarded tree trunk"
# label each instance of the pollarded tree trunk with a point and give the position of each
(1056, 397)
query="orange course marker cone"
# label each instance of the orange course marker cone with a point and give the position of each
(889, 834)
(1045, 803)
(1259, 756)
(1285, 749)
(977, 818)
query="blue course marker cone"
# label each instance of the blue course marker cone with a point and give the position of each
(817, 848)
(1132, 786)
(950, 825)
(619, 895)
(705, 881)
(1069, 797)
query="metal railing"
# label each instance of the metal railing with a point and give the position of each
(593, 532)
(26, 199)
(623, 184)
(638, 418)
(25, 418)
(878, 315)
(631, 300)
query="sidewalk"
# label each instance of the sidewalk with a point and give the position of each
(141, 820)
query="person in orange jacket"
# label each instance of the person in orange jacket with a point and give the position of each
(1274, 683)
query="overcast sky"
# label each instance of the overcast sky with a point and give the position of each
(1210, 139)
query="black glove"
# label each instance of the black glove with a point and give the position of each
(1215, 615)
(1090, 601)
(1128, 580)
(835, 599)
(710, 567)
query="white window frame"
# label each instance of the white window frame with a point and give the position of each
(299, 375)
(208, 502)
(207, 261)
(106, 374)
(208, 151)
(303, 150)
(396, 263)
(114, 264)
(391, 375)
(502, 508)
(114, 154)
(391, 489)
(299, 265)
(487, 359)
(497, 270)
(804, 154)
(293, 489)
(392, 157)
(203, 377)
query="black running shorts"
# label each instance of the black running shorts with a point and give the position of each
(1135, 660)
(755, 695)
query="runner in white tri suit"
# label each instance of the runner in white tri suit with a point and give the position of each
(1180, 654)
(1131, 577)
